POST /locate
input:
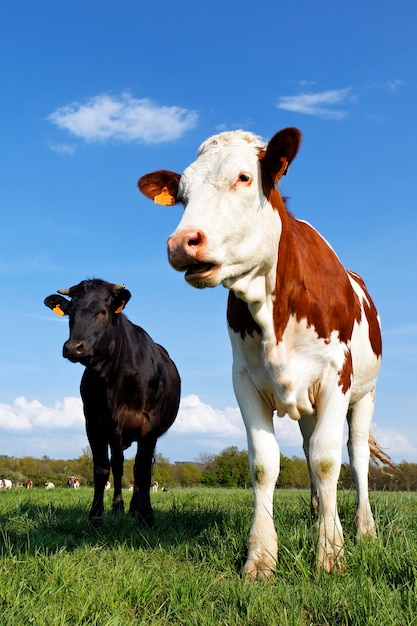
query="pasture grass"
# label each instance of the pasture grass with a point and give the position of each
(55, 570)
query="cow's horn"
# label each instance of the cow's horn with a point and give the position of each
(119, 287)
(64, 292)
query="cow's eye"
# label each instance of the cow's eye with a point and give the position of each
(103, 313)
(244, 179)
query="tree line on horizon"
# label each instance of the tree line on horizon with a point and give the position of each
(228, 469)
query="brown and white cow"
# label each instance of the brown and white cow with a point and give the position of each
(305, 333)
(73, 482)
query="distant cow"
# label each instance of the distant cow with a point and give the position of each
(49, 486)
(155, 486)
(5, 483)
(130, 388)
(28, 484)
(73, 482)
(305, 333)
(107, 486)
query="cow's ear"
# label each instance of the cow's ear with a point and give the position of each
(58, 304)
(160, 186)
(280, 151)
(121, 299)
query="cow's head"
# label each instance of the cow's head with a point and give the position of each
(93, 308)
(231, 225)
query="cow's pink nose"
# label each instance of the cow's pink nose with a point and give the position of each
(186, 247)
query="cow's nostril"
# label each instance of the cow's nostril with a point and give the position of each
(73, 349)
(194, 239)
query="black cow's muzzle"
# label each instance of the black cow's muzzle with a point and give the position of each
(74, 350)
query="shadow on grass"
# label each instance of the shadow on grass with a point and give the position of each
(36, 528)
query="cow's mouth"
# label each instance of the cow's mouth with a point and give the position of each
(200, 271)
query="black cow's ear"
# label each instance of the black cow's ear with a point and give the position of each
(121, 299)
(160, 186)
(58, 304)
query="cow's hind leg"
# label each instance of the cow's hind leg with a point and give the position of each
(307, 424)
(325, 453)
(359, 420)
(140, 505)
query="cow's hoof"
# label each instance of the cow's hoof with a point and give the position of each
(146, 520)
(95, 522)
(118, 508)
(258, 569)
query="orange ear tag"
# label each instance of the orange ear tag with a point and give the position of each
(57, 310)
(164, 198)
(121, 307)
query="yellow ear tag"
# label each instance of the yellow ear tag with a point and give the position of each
(57, 310)
(121, 307)
(164, 198)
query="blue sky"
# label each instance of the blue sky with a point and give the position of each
(95, 94)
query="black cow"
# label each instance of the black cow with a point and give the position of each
(130, 388)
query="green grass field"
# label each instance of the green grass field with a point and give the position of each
(186, 570)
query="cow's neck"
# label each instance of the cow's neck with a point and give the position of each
(110, 364)
(258, 287)
(271, 297)
(301, 299)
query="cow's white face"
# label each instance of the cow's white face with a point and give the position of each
(229, 231)
(231, 226)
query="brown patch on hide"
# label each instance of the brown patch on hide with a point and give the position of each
(345, 374)
(312, 283)
(371, 316)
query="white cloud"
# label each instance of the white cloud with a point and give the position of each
(196, 417)
(124, 118)
(62, 148)
(58, 431)
(400, 445)
(24, 415)
(287, 432)
(393, 85)
(319, 104)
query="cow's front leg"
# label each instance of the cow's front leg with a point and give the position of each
(96, 419)
(117, 460)
(325, 452)
(264, 467)
(140, 505)
(101, 475)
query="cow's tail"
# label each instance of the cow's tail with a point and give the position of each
(378, 456)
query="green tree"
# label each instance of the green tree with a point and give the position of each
(188, 474)
(228, 469)
(293, 473)
(163, 471)
(85, 465)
